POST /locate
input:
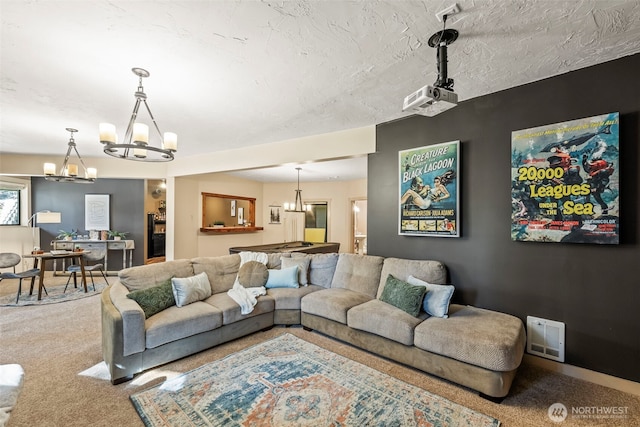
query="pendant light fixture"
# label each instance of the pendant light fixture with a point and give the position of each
(69, 171)
(297, 206)
(136, 138)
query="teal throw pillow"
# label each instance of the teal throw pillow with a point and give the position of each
(437, 299)
(283, 278)
(403, 295)
(155, 299)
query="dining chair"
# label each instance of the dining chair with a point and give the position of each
(92, 262)
(10, 260)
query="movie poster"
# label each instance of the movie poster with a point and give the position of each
(565, 182)
(429, 204)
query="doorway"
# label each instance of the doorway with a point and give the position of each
(359, 226)
(316, 227)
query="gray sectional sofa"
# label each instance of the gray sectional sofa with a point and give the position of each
(473, 347)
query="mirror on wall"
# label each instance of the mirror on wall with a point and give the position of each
(316, 227)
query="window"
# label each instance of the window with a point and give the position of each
(9, 207)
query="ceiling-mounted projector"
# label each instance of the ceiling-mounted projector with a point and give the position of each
(429, 101)
(433, 100)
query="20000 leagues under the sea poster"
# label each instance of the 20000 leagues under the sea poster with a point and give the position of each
(565, 182)
(429, 204)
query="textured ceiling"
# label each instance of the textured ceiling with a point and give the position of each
(227, 74)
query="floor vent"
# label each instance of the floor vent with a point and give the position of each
(545, 338)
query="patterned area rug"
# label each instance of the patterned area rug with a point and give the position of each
(287, 381)
(55, 294)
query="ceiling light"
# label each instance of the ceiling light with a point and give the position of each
(297, 206)
(69, 171)
(136, 138)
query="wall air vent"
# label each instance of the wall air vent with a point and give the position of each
(545, 338)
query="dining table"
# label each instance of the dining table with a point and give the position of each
(42, 258)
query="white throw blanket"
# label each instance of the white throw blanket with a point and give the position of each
(246, 297)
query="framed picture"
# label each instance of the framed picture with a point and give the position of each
(96, 212)
(233, 208)
(565, 182)
(240, 216)
(274, 214)
(429, 202)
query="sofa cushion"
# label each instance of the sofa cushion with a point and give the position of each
(322, 267)
(154, 299)
(221, 270)
(176, 323)
(380, 318)
(332, 303)
(485, 338)
(147, 276)
(289, 298)
(403, 295)
(358, 273)
(436, 301)
(231, 310)
(303, 267)
(253, 274)
(429, 271)
(187, 290)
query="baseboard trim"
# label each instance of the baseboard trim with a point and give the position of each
(599, 378)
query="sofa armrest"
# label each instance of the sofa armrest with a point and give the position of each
(132, 329)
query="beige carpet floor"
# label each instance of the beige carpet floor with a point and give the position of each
(59, 347)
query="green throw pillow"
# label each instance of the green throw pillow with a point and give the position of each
(403, 295)
(154, 300)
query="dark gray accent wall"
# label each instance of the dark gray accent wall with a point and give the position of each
(126, 210)
(593, 289)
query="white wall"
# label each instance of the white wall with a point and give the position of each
(20, 240)
(334, 145)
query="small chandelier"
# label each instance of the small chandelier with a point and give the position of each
(297, 206)
(136, 138)
(69, 171)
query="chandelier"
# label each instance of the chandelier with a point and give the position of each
(297, 206)
(136, 138)
(69, 171)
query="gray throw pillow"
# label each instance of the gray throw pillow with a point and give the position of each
(253, 274)
(155, 299)
(191, 289)
(321, 269)
(403, 295)
(303, 267)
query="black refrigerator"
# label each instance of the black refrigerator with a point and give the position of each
(155, 236)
